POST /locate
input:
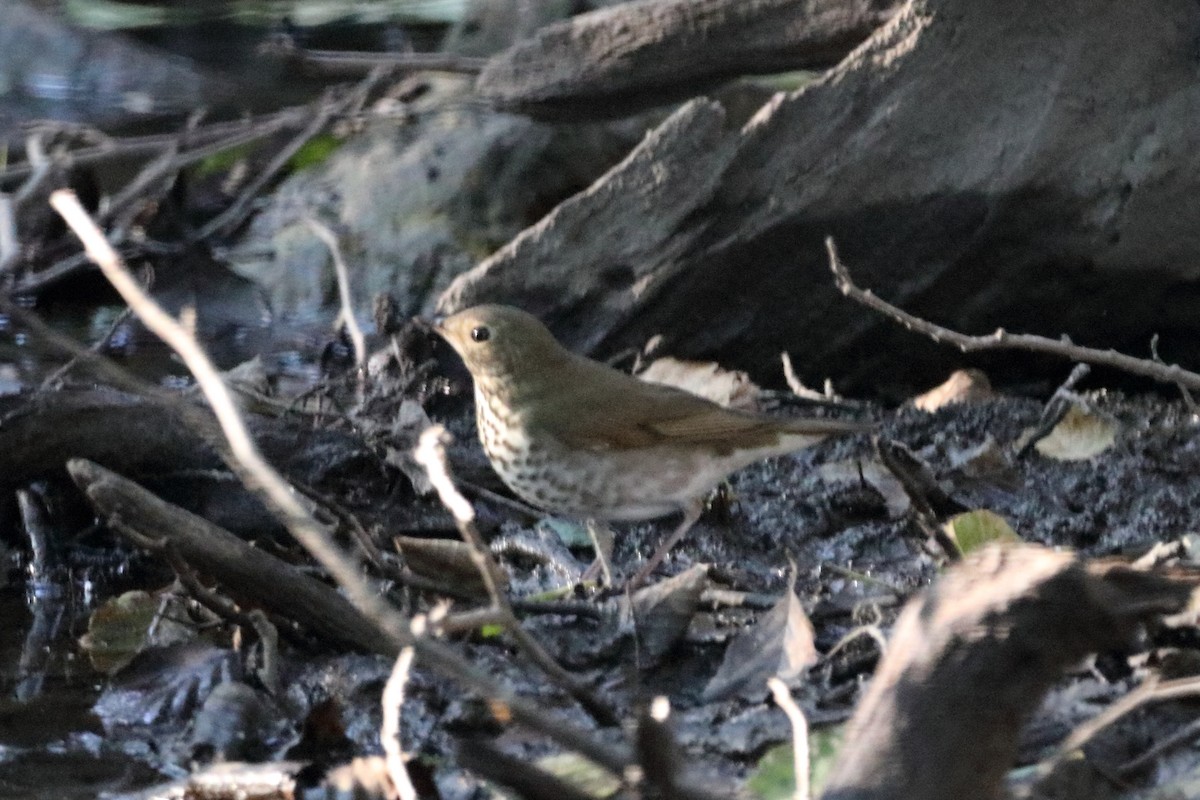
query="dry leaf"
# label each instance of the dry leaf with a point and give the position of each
(780, 644)
(987, 462)
(446, 560)
(963, 385)
(732, 389)
(1078, 436)
(877, 476)
(130, 623)
(660, 613)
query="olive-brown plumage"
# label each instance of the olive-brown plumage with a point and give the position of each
(579, 438)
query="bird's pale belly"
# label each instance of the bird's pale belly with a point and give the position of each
(604, 484)
(634, 485)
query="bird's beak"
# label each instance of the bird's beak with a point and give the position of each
(434, 325)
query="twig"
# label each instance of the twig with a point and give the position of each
(35, 154)
(1188, 400)
(205, 140)
(800, 768)
(229, 219)
(343, 280)
(430, 454)
(800, 390)
(1003, 340)
(1152, 691)
(343, 61)
(1055, 409)
(262, 478)
(155, 170)
(871, 631)
(1185, 734)
(389, 734)
(57, 375)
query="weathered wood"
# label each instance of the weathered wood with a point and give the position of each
(246, 572)
(972, 657)
(639, 54)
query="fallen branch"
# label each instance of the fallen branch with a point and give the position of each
(1003, 340)
(348, 62)
(246, 572)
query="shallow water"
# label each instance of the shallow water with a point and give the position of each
(50, 743)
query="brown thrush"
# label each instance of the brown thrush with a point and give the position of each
(581, 439)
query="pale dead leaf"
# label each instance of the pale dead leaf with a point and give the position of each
(1078, 436)
(447, 560)
(732, 389)
(987, 462)
(410, 420)
(963, 385)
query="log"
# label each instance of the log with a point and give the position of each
(971, 658)
(631, 56)
(247, 573)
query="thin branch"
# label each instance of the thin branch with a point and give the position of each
(96, 348)
(430, 454)
(229, 219)
(389, 733)
(204, 141)
(1003, 340)
(800, 768)
(1182, 736)
(344, 61)
(343, 281)
(1152, 691)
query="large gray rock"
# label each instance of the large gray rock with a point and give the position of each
(1023, 164)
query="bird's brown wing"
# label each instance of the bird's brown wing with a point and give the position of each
(610, 410)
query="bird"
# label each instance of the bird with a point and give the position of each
(578, 438)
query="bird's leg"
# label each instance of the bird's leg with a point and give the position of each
(691, 513)
(602, 541)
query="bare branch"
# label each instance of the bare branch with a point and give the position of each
(389, 734)
(430, 454)
(783, 699)
(343, 280)
(1003, 340)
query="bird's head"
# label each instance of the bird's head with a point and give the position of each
(499, 341)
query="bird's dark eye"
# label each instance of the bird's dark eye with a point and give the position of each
(480, 334)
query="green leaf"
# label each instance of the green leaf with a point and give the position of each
(976, 529)
(774, 778)
(587, 776)
(315, 151)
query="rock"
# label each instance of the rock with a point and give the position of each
(1029, 166)
(416, 204)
